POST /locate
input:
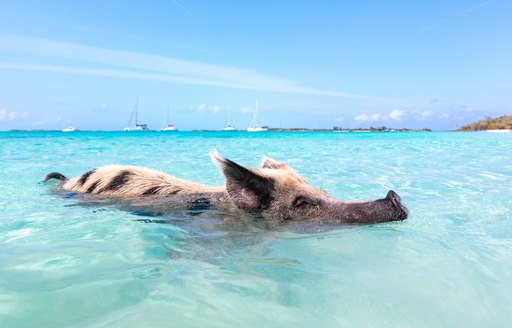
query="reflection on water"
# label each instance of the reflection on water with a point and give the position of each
(206, 234)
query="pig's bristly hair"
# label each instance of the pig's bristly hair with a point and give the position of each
(119, 180)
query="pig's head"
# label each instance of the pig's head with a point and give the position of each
(278, 190)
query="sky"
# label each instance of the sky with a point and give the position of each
(312, 64)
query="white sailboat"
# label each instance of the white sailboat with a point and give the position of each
(137, 127)
(169, 127)
(69, 129)
(253, 126)
(229, 127)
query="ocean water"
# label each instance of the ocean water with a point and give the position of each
(67, 263)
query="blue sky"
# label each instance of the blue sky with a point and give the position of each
(314, 64)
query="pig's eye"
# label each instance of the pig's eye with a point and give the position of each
(301, 202)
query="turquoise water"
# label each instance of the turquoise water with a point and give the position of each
(64, 263)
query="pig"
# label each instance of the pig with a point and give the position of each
(275, 189)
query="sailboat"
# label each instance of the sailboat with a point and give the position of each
(229, 127)
(253, 126)
(169, 127)
(137, 127)
(69, 128)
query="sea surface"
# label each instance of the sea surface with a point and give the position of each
(65, 262)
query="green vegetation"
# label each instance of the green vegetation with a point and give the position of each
(488, 123)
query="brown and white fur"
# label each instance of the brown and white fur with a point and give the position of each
(274, 188)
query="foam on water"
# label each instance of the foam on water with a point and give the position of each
(67, 263)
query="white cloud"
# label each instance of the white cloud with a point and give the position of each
(407, 116)
(367, 118)
(202, 107)
(6, 115)
(425, 115)
(132, 65)
(396, 114)
(480, 5)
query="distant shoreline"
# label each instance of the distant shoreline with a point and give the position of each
(270, 130)
(384, 130)
(502, 124)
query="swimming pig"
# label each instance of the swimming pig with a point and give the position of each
(275, 188)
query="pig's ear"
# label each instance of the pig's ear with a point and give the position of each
(246, 188)
(269, 163)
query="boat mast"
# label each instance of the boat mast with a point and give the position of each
(136, 111)
(255, 116)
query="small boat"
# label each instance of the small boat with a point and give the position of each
(253, 126)
(169, 127)
(257, 129)
(137, 127)
(69, 129)
(228, 127)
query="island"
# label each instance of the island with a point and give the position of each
(502, 123)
